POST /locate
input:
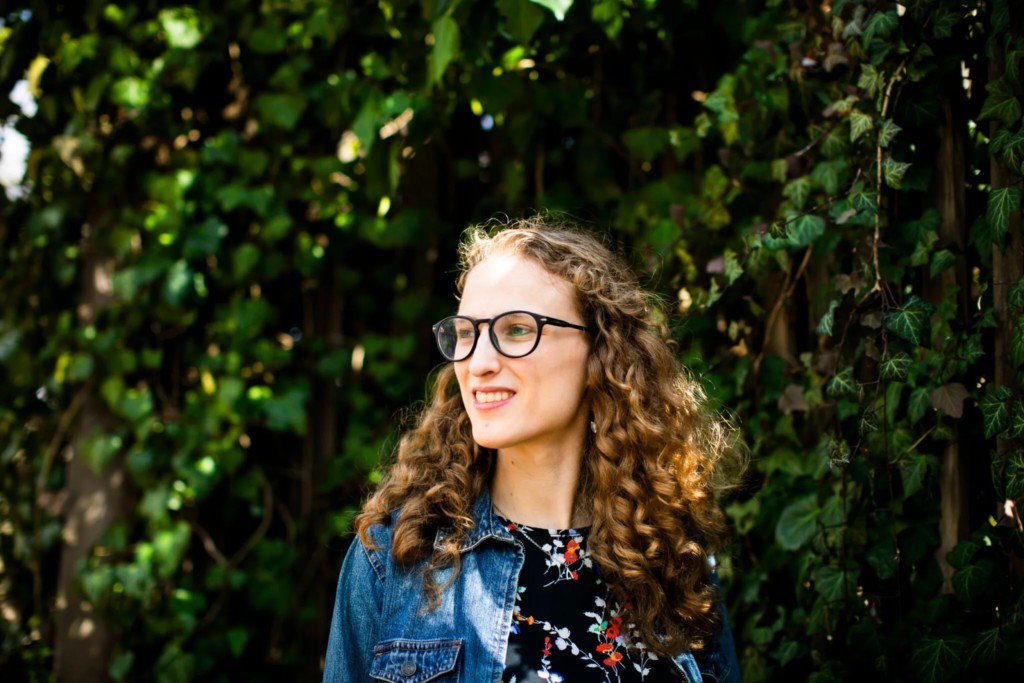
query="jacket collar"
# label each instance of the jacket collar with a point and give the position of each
(485, 525)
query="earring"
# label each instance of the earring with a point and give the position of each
(593, 427)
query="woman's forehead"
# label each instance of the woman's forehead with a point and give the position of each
(505, 282)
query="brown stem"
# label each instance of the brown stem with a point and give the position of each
(786, 291)
(261, 531)
(211, 547)
(63, 426)
(878, 178)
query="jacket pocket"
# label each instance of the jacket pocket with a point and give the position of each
(415, 661)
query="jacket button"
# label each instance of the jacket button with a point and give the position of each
(408, 668)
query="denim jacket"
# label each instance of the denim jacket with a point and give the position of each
(382, 629)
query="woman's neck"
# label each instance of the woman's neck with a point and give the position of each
(539, 489)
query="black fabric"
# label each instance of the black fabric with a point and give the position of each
(565, 625)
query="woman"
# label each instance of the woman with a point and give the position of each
(553, 513)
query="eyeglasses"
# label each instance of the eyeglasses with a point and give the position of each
(513, 334)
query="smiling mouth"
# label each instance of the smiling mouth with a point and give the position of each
(492, 396)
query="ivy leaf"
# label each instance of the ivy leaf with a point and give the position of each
(827, 320)
(919, 403)
(994, 413)
(446, 45)
(557, 7)
(864, 199)
(893, 394)
(830, 582)
(1016, 428)
(843, 383)
(1013, 59)
(883, 557)
(941, 260)
(962, 554)
(937, 659)
(949, 398)
(97, 450)
(974, 581)
(913, 469)
(829, 174)
(280, 109)
(798, 522)
(268, 40)
(1001, 203)
(880, 25)
(972, 349)
(797, 191)
(1008, 146)
(912, 322)
(893, 171)
(169, 546)
(996, 470)
(177, 283)
(944, 22)
(860, 123)
(1017, 344)
(120, 665)
(923, 249)
(181, 26)
(805, 230)
(1001, 104)
(895, 367)
(888, 132)
(646, 143)
(130, 92)
(869, 420)
(286, 411)
(1000, 16)
(990, 646)
(1015, 476)
(733, 269)
(522, 18)
(870, 80)
(1015, 295)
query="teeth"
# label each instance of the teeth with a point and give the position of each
(492, 396)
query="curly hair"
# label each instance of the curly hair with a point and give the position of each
(654, 469)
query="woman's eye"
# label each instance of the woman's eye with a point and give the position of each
(518, 331)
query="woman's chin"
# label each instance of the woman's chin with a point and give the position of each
(490, 440)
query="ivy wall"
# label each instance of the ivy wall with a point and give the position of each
(238, 220)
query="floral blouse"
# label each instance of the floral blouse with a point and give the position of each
(566, 626)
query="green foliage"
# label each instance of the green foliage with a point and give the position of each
(240, 219)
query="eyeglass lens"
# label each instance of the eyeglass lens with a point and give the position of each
(514, 334)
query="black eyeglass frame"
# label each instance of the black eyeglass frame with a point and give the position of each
(541, 321)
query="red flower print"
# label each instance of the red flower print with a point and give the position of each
(613, 659)
(570, 552)
(612, 632)
(574, 575)
(605, 648)
(547, 645)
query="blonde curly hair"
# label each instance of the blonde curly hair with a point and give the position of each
(654, 469)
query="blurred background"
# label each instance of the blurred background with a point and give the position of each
(226, 227)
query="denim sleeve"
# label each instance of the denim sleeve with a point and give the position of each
(719, 662)
(730, 665)
(355, 624)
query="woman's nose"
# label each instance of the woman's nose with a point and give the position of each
(485, 358)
